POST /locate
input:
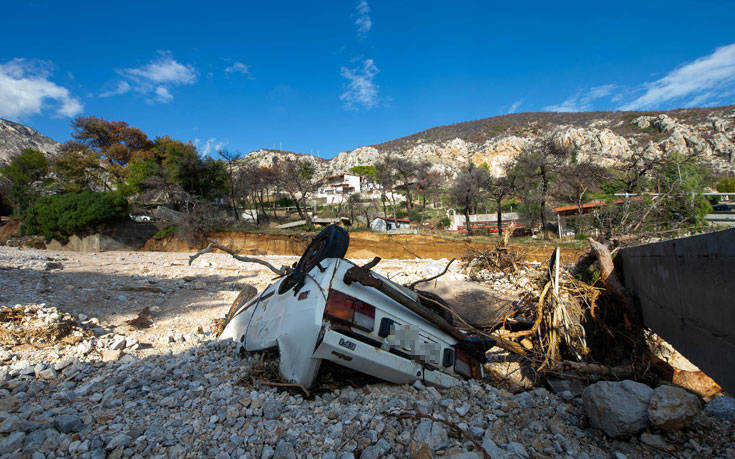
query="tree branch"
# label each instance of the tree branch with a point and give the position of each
(213, 245)
(432, 277)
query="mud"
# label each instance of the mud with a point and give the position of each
(362, 245)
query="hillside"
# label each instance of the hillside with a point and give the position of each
(15, 137)
(602, 136)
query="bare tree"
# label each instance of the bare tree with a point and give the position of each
(387, 178)
(428, 182)
(500, 188)
(298, 179)
(231, 160)
(406, 171)
(468, 189)
(576, 179)
(539, 162)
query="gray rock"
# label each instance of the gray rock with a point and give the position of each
(118, 440)
(272, 409)
(722, 407)
(464, 409)
(671, 408)
(284, 450)
(656, 441)
(12, 442)
(68, 423)
(617, 408)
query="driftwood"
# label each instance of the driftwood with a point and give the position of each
(432, 277)
(284, 270)
(596, 369)
(612, 284)
(282, 384)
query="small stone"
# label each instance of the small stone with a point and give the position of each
(272, 409)
(418, 385)
(284, 450)
(61, 364)
(722, 407)
(110, 355)
(12, 442)
(9, 403)
(118, 342)
(67, 423)
(120, 440)
(48, 373)
(671, 408)
(464, 409)
(656, 441)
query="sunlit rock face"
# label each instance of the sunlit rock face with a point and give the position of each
(15, 137)
(605, 138)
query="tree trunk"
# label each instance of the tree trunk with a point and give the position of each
(298, 207)
(500, 217)
(544, 191)
(423, 211)
(467, 220)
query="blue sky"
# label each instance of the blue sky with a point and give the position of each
(324, 77)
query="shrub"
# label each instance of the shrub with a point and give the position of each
(62, 215)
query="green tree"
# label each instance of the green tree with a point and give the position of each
(726, 185)
(77, 167)
(23, 173)
(62, 215)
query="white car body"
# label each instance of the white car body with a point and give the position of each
(415, 349)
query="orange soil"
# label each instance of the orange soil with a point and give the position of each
(362, 245)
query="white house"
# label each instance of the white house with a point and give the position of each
(337, 188)
(383, 224)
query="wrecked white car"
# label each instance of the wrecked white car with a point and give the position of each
(328, 308)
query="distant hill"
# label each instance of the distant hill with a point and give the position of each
(15, 137)
(604, 137)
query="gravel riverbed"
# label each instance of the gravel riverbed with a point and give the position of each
(110, 390)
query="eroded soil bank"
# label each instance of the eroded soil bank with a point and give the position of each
(362, 245)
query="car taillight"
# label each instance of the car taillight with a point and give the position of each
(350, 310)
(466, 365)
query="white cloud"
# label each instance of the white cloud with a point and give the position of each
(210, 146)
(582, 101)
(238, 67)
(697, 81)
(155, 79)
(121, 88)
(363, 21)
(514, 106)
(361, 90)
(163, 95)
(25, 89)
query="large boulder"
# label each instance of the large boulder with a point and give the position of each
(671, 408)
(722, 407)
(618, 408)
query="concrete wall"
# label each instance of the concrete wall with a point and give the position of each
(686, 288)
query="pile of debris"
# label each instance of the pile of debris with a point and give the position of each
(39, 326)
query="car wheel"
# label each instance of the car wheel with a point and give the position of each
(246, 294)
(331, 242)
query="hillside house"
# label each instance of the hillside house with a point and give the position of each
(337, 188)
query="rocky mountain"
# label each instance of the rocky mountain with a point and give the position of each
(15, 137)
(604, 137)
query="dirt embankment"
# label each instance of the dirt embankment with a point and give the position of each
(362, 245)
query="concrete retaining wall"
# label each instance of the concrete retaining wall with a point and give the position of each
(686, 288)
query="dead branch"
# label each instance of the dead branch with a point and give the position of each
(213, 245)
(539, 315)
(454, 426)
(596, 369)
(432, 277)
(612, 284)
(281, 384)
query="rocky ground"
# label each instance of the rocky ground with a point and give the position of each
(77, 379)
